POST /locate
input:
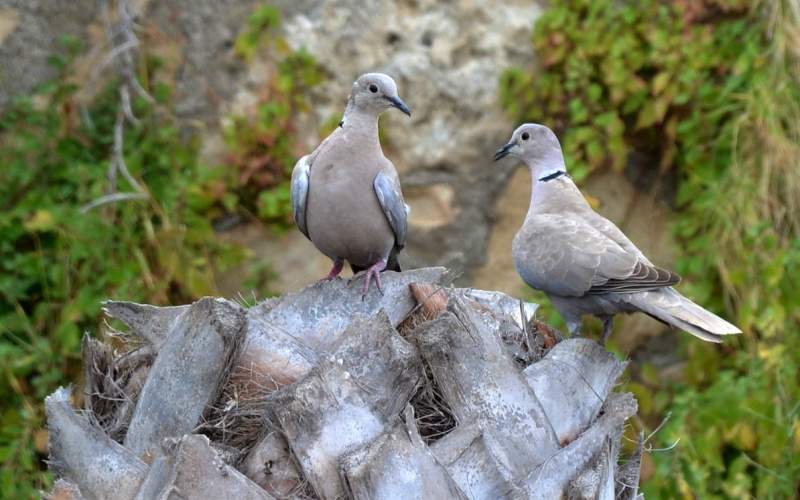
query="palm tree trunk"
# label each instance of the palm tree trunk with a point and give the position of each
(427, 391)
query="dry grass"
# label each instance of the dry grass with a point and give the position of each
(762, 185)
(112, 384)
(237, 418)
(432, 415)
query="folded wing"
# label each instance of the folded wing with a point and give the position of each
(390, 198)
(300, 179)
(571, 258)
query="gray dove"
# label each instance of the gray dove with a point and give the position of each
(346, 195)
(581, 260)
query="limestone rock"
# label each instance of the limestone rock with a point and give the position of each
(446, 58)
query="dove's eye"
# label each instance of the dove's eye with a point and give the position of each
(373, 88)
(525, 136)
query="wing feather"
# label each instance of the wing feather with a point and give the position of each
(391, 201)
(643, 278)
(568, 257)
(299, 192)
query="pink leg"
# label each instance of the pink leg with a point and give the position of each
(373, 271)
(335, 270)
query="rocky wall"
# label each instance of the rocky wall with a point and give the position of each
(446, 58)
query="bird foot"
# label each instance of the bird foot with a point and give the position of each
(374, 271)
(338, 265)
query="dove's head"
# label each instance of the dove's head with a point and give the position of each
(536, 145)
(375, 93)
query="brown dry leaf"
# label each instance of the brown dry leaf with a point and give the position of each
(432, 299)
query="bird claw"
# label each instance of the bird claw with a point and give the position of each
(334, 272)
(378, 282)
(365, 288)
(373, 272)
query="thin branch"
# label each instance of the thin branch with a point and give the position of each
(127, 66)
(125, 101)
(118, 165)
(650, 449)
(115, 52)
(658, 428)
(124, 55)
(113, 198)
(141, 91)
(118, 160)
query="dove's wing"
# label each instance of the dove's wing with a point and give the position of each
(387, 189)
(300, 182)
(566, 256)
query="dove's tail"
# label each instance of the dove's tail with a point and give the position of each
(669, 306)
(393, 264)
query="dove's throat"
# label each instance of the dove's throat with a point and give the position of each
(547, 164)
(552, 191)
(361, 127)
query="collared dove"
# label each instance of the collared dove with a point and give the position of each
(346, 195)
(581, 260)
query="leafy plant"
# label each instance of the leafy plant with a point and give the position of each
(57, 263)
(711, 91)
(263, 144)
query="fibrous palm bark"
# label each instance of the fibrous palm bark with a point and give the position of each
(427, 391)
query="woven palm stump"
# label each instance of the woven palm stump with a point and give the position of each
(426, 391)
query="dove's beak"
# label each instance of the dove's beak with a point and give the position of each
(399, 104)
(504, 151)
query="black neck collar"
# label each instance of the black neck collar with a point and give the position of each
(554, 175)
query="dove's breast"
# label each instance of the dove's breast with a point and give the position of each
(527, 251)
(344, 217)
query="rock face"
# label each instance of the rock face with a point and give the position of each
(29, 35)
(446, 58)
(207, 72)
(194, 37)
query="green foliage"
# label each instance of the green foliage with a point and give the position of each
(263, 145)
(712, 91)
(57, 264)
(738, 434)
(260, 29)
(617, 76)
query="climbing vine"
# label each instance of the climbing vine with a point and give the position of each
(65, 246)
(709, 92)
